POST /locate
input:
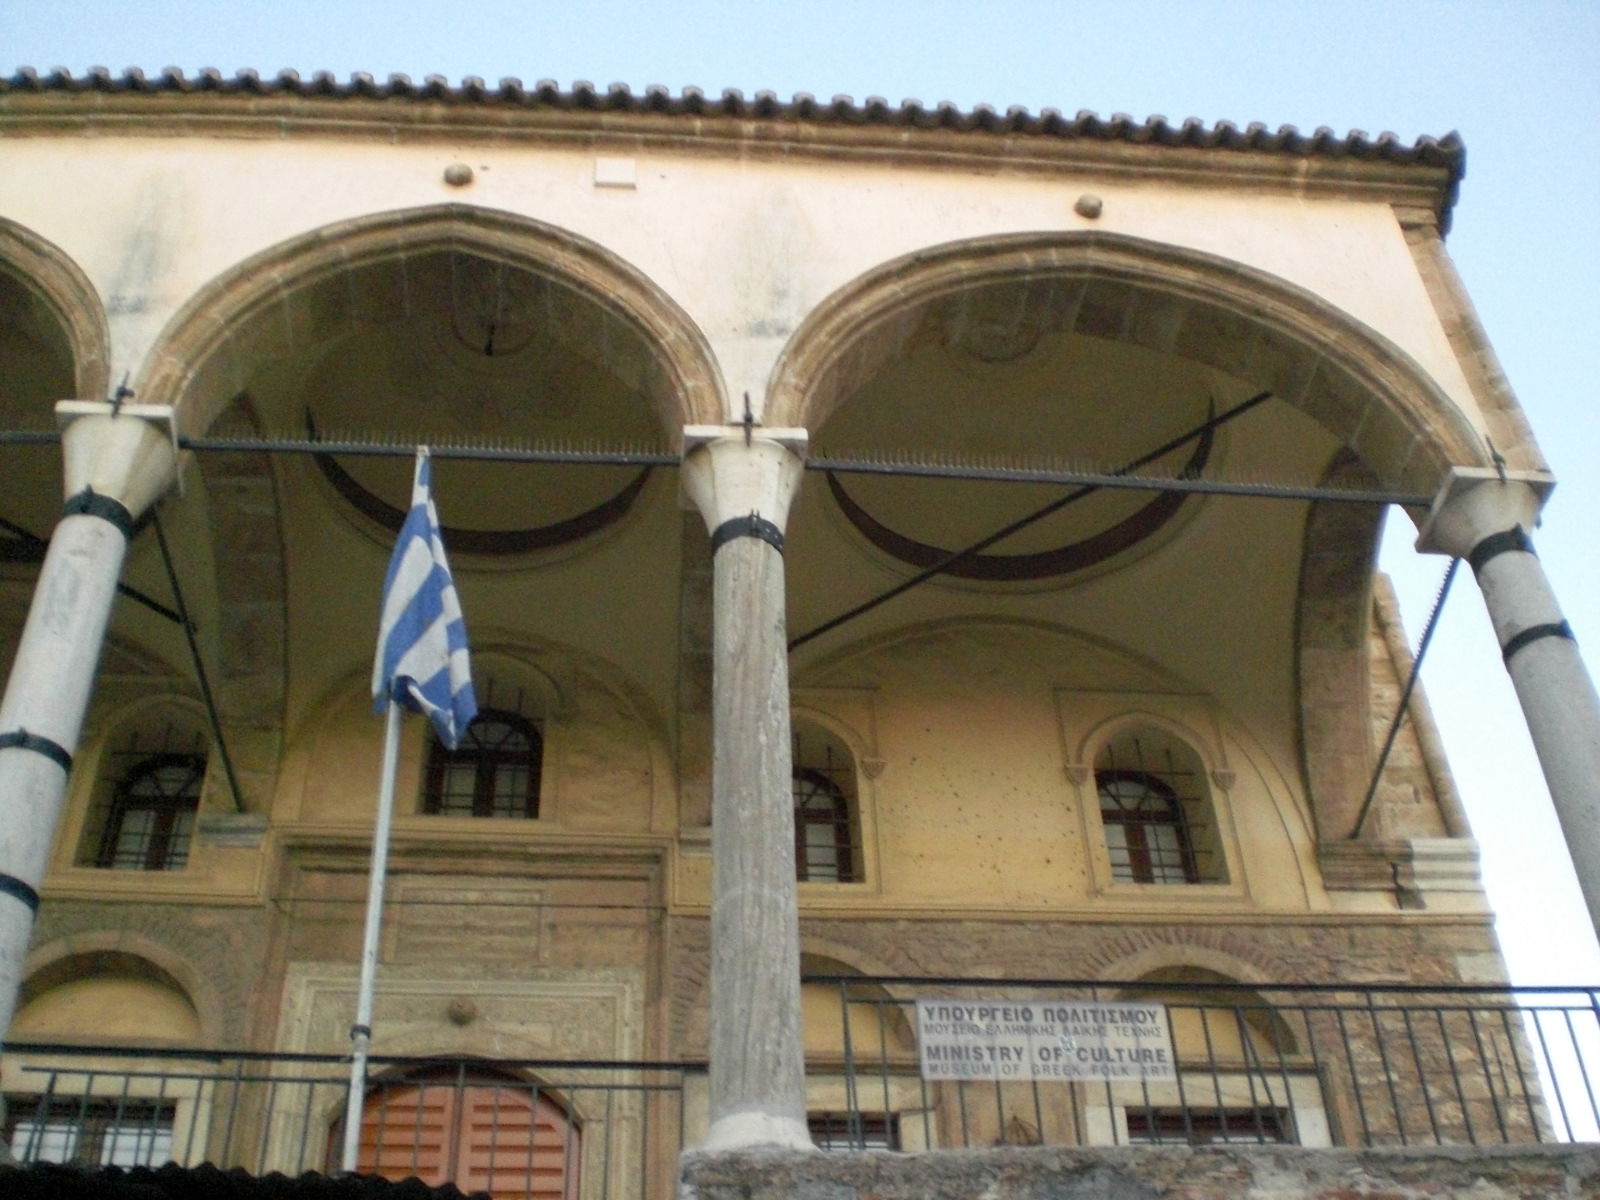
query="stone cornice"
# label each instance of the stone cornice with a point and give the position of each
(1422, 176)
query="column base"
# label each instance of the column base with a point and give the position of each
(748, 1130)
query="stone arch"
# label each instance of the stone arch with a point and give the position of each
(251, 312)
(82, 955)
(828, 956)
(252, 615)
(46, 271)
(878, 643)
(1144, 953)
(857, 742)
(1278, 337)
(876, 1017)
(1254, 1023)
(1332, 624)
(1096, 737)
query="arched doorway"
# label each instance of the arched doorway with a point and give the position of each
(480, 1129)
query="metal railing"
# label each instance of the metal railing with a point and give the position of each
(533, 1128)
(1309, 1065)
(1317, 1065)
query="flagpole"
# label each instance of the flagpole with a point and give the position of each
(421, 664)
(361, 1031)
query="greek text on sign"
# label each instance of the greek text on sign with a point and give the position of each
(1057, 1039)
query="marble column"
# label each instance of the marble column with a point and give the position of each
(118, 460)
(1487, 519)
(742, 481)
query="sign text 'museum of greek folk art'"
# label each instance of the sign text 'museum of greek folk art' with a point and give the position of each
(1059, 1039)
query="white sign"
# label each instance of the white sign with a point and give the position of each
(1053, 1039)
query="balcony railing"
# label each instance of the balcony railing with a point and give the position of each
(1328, 1065)
(1315, 1066)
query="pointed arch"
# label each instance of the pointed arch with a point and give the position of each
(1365, 390)
(49, 274)
(259, 307)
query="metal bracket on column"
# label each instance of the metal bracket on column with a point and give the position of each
(754, 525)
(18, 889)
(89, 503)
(1533, 634)
(21, 739)
(1515, 538)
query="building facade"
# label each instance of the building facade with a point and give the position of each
(727, 399)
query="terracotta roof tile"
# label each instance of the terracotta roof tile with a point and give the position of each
(1447, 151)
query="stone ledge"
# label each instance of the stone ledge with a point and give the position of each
(1555, 1172)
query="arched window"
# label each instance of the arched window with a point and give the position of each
(152, 815)
(478, 1129)
(141, 814)
(1156, 811)
(493, 772)
(1241, 1075)
(827, 842)
(1147, 835)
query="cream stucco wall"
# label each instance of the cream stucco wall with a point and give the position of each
(746, 247)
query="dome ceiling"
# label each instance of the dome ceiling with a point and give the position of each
(977, 388)
(473, 352)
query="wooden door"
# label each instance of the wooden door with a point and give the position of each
(481, 1134)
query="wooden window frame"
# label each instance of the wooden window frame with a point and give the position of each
(490, 764)
(167, 848)
(1134, 824)
(854, 1131)
(1209, 1126)
(100, 1129)
(808, 784)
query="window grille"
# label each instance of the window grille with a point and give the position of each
(1208, 1126)
(90, 1132)
(493, 772)
(824, 844)
(152, 815)
(1147, 835)
(827, 822)
(1156, 813)
(854, 1131)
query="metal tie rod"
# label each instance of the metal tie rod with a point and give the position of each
(852, 466)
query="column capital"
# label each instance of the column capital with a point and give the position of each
(1475, 502)
(732, 473)
(126, 452)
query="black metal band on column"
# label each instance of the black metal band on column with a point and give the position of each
(1515, 538)
(90, 503)
(754, 525)
(23, 740)
(17, 889)
(1534, 633)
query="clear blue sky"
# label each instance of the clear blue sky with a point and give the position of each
(1520, 81)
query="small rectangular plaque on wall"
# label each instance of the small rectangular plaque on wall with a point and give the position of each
(1038, 1040)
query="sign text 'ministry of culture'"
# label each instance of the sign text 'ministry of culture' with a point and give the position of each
(1066, 1039)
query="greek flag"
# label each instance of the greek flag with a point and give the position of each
(421, 662)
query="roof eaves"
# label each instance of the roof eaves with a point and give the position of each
(1446, 152)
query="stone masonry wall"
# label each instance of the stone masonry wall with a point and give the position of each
(1338, 951)
(1557, 1172)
